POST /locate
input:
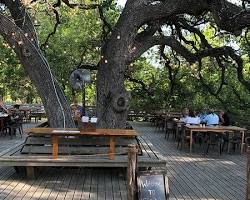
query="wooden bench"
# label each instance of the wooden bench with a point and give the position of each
(34, 156)
(55, 134)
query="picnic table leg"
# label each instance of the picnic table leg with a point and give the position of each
(112, 148)
(55, 146)
(191, 141)
(242, 141)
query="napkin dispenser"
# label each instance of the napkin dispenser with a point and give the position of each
(88, 124)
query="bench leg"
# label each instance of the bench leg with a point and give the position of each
(112, 148)
(30, 172)
(55, 146)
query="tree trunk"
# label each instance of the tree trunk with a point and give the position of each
(112, 98)
(36, 66)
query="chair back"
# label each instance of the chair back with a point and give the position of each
(170, 125)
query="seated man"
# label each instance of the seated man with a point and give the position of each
(77, 112)
(211, 119)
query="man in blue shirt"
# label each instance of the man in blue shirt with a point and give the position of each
(211, 119)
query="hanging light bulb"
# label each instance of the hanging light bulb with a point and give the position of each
(20, 42)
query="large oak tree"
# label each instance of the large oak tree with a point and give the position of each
(142, 24)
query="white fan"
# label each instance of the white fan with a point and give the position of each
(78, 78)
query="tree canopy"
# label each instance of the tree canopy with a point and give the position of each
(203, 48)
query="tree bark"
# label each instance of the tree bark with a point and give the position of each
(36, 66)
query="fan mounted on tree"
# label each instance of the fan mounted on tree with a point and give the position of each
(78, 78)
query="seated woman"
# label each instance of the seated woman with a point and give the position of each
(192, 118)
(185, 113)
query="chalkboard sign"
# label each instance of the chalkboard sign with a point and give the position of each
(152, 185)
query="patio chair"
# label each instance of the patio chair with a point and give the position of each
(160, 122)
(233, 140)
(182, 136)
(169, 129)
(14, 125)
(212, 139)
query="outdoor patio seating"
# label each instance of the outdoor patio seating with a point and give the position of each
(170, 129)
(15, 125)
(213, 139)
(182, 136)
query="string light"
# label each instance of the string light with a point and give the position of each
(47, 46)
(26, 34)
(32, 39)
(13, 34)
(102, 56)
(118, 37)
(20, 42)
(106, 61)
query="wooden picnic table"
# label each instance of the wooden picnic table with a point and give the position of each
(216, 129)
(55, 133)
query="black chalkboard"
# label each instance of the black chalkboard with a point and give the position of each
(152, 185)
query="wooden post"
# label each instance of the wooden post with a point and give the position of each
(131, 171)
(55, 146)
(248, 174)
(112, 148)
(30, 172)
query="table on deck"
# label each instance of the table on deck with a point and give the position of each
(56, 133)
(216, 129)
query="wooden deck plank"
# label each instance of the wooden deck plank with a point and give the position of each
(101, 184)
(188, 175)
(34, 187)
(108, 186)
(115, 185)
(87, 185)
(191, 176)
(80, 184)
(72, 185)
(123, 185)
(48, 174)
(215, 177)
(94, 186)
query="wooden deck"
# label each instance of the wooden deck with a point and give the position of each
(191, 176)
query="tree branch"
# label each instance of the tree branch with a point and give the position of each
(43, 46)
(80, 5)
(143, 85)
(22, 19)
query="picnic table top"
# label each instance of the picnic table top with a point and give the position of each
(77, 132)
(217, 128)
